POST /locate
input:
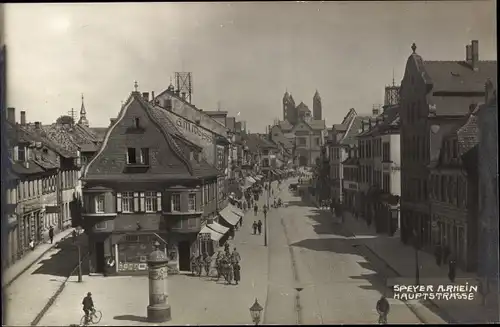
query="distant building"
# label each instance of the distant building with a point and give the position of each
(435, 98)
(307, 132)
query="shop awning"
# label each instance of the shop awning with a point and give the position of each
(251, 180)
(236, 210)
(218, 228)
(229, 216)
(214, 236)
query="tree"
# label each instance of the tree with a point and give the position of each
(65, 120)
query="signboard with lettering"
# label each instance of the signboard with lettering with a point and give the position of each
(196, 134)
(133, 256)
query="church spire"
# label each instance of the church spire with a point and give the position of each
(83, 115)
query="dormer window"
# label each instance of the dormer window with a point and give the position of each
(21, 153)
(131, 156)
(137, 122)
(144, 156)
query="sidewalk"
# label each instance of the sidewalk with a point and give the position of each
(30, 258)
(123, 300)
(401, 259)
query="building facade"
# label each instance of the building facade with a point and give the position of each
(453, 194)
(301, 126)
(148, 183)
(435, 97)
(488, 184)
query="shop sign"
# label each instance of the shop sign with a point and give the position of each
(192, 131)
(204, 236)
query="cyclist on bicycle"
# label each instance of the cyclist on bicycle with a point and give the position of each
(383, 310)
(88, 306)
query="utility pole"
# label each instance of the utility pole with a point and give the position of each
(79, 264)
(265, 214)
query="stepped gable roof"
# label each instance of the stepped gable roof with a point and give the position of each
(183, 168)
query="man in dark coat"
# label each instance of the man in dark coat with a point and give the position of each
(88, 306)
(452, 269)
(254, 226)
(236, 271)
(383, 309)
(51, 234)
(259, 227)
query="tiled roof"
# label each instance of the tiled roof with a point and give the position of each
(179, 166)
(32, 168)
(285, 125)
(350, 137)
(317, 124)
(468, 135)
(458, 76)
(100, 132)
(453, 105)
(340, 127)
(56, 140)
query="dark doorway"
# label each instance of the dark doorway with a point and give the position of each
(184, 254)
(302, 161)
(99, 257)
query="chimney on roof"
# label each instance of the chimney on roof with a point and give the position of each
(475, 54)
(153, 96)
(375, 111)
(468, 54)
(23, 118)
(37, 125)
(11, 115)
(145, 96)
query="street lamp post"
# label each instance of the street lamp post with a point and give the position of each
(265, 213)
(79, 264)
(256, 312)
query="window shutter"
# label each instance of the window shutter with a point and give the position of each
(136, 202)
(158, 199)
(141, 202)
(118, 202)
(16, 153)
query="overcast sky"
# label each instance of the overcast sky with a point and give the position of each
(244, 55)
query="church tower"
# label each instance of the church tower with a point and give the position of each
(286, 104)
(317, 110)
(83, 115)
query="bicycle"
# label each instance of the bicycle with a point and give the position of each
(94, 318)
(382, 319)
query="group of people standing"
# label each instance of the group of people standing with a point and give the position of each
(227, 265)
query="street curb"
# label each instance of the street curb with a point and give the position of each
(54, 297)
(6, 285)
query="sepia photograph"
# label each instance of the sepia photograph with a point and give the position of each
(249, 163)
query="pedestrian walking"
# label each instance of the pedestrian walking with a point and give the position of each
(452, 269)
(51, 234)
(264, 210)
(235, 256)
(259, 227)
(383, 308)
(74, 235)
(192, 261)
(31, 244)
(236, 270)
(255, 209)
(218, 264)
(226, 248)
(207, 260)
(254, 226)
